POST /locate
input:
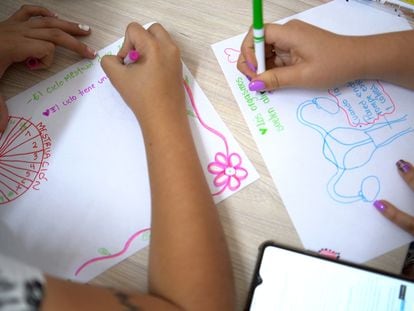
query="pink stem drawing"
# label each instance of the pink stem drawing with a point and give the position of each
(227, 167)
(214, 131)
(121, 252)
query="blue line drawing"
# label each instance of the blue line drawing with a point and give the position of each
(349, 148)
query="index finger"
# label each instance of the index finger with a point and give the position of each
(400, 218)
(27, 11)
(246, 62)
(406, 171)
(136, 38)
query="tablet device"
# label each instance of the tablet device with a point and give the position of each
(291, 279)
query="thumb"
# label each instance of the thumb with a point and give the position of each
(114, 68)
(276, 78)
(4, 114)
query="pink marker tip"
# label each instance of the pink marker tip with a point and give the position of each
(131, 57)
(32, 62)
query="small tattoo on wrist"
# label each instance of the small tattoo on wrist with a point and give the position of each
(124, 300)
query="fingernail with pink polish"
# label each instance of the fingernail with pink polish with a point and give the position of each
(257, 85)
(403, 166)
(251, 66)
(379, 206)
(32, 63)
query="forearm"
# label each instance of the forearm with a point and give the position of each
(189, 264)
(387, 57)
(189, 261)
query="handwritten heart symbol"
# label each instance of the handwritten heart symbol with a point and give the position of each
(46, 113)
(232, 55)
(263, 131)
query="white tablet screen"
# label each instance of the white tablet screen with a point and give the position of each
(294, 281)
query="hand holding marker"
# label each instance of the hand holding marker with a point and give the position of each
(259, 45)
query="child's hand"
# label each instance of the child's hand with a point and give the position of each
(298, 55)
(153, 86)
(31, 34)
(34, 32)
(397, 216)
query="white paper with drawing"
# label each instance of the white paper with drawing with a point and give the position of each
(332, 153)
(74, 191)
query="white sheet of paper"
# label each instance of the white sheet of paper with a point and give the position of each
(74, 190)
(332, 153)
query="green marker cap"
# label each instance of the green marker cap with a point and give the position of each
(257, 14)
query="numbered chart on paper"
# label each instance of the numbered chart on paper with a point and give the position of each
(23, 149)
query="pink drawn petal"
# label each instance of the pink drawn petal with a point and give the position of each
(234, 160)
(216, 168)
(241, 173)
(234, 183)
(221, 179)
(221, 157)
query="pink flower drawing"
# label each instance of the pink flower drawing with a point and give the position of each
(228, 170)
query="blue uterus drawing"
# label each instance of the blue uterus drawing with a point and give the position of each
(350, 148)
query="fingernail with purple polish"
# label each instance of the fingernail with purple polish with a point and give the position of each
(251, 66)
(257, 85)
(403, 166)
(32, 63)
(379, 206)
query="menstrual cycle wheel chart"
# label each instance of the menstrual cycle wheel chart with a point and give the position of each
(21, 156)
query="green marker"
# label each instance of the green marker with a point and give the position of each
(258, 36)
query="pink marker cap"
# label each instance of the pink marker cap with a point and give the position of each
(32, 62)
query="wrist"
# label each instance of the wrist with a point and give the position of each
(373, 56)
(354, 59)
(158, 111)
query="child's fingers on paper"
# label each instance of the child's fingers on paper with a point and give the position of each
(406, 171)
(27, 11)
(61, 38)
(43, 51)
(72, 28)
(400, 218)
(136, 38)
(4, 115)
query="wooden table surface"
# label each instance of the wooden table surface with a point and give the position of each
(254, 214)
